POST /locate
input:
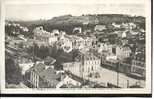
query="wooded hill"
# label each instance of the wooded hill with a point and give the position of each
(68, 22)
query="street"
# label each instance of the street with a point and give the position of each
(109, 76)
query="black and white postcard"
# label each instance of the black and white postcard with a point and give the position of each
(75, 47)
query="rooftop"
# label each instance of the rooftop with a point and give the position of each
(49, 60)
(45, 72)
(100, 27)
(88, 56)
(49, 74)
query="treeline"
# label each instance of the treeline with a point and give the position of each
(12, 72)
(15, 31)
(68, 22)
(119, 18)
(43, 51)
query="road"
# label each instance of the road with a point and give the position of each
(109, 76)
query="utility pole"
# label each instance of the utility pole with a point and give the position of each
(82, 66)
(127, 83)
(118, 73)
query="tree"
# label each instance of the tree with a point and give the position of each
(12, 72)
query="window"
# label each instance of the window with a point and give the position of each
(87, 62)
(133, 62)
(92, 68)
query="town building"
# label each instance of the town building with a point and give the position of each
(123, 51)
(111, 57)
(42, 76)
(102, 55)
(88, 41)
(73, 67)
(49, 61)
(99, 28)
(25, 29)
(124, 41)
(103, 37)
(116, 25)
(28, 44)
(128, 26)
(105, 47)
(22, 37)
(110, 64)
(55, 32)
(132, 25)
(70, 81)
(119, 33)
(45, 76)
(70, 42)
(85, 65)
(125, 25)
(43, 37)
(77, 30)
(126, 34)
(25, 64)
(138, 65)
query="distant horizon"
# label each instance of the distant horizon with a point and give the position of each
(29, 12)
(15, 19)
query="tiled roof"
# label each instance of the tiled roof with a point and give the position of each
(99, 27)
(49, 60)
(86, 56)
(38, 67)
(48, 74)
(90, 56)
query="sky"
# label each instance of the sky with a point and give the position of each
(35, 11)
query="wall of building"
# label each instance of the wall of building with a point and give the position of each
(138, 68)
(73, 67)
(122, 52)
(34, 79)
(91, 66)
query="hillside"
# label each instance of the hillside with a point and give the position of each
(68, 22)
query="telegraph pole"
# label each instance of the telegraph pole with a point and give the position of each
(127, 83)
(118, 73)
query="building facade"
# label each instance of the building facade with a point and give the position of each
(85, 65)
(123, 52)
(43, 37)
(42, 76)
(138, 65)
(73, 67)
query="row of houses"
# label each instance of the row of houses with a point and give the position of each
(64, 41)
(134, 66)
(138, 65)
(41, 36)
(128, 26)
(42, 74)
(100, 28)
(88, 65)
(16, 27)
(120, 51)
